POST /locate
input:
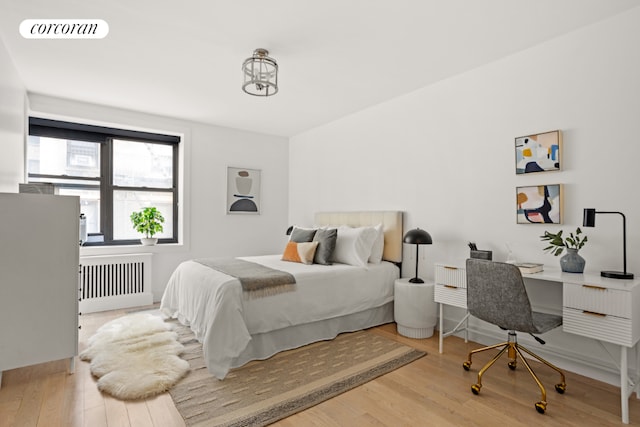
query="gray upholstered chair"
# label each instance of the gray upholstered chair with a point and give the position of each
(496, 294)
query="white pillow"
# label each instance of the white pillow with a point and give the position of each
(353, 245)
(378, 245)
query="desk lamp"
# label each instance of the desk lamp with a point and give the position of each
(589, 220)
(417, 237)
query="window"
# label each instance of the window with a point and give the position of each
(114, 171)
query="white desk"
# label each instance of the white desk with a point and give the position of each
(607, 310)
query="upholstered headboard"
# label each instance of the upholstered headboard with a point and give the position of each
(391, 224)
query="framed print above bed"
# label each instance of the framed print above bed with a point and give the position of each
(243, 191)
(538, 153)
(539, 204)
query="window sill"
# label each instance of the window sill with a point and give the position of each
(132, 249)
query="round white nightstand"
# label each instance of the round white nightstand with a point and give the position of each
(414, 308)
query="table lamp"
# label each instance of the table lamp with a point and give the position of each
(417, 237)
(589, 220)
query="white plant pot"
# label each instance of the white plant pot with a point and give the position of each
(148, 241)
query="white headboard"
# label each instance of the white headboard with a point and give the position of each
(391, 224)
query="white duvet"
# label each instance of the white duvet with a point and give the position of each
(223, 318)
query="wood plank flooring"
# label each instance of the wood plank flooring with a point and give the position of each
(432, 391)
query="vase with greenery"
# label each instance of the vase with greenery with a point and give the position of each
(571, 262)
(148, 221)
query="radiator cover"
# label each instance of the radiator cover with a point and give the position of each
(110, 282)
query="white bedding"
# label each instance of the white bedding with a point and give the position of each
(224, 319)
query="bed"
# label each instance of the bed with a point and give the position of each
(325, 301)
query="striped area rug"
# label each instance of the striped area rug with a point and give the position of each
(262, 392)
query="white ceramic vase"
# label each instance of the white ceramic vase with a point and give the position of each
(148, 241)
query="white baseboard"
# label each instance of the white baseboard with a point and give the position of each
(115, 302)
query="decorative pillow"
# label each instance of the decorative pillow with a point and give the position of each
(353, 245)
(378, 246)
(326, 238)
(300, 252)
(302, 234)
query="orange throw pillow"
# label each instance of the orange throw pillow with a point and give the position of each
(300, 252)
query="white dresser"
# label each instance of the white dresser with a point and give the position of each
(39, 255)
(607, 310)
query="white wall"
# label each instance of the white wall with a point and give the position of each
(12, 122)
(206, 152)
(445, 154)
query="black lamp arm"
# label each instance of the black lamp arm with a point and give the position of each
(624, 236)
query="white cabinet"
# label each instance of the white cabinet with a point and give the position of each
(39, 255)
(602, 313)
(450, 289)
(451, 285)
(414, 308)
(607, 310)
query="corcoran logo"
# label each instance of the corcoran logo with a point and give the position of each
(64, 29)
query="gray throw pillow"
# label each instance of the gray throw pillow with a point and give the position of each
(326, 239)
(301, 235)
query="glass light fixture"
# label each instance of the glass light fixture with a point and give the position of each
(260, 74)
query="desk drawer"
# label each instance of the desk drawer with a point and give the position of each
(448, 275)
(450, 295)
(607, 328)
(597, 299)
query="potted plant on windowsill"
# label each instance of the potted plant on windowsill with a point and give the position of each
(148, 221)
(572, 262)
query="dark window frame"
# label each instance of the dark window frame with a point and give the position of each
(105, 137)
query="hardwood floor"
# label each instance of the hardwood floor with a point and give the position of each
(432, 391)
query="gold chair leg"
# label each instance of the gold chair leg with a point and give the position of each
(515, 351)
(561, 387)
(490, 364)
(467, 364)
(541, 406)
(475, 388)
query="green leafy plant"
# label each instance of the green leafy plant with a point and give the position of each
(557, 243)
(147, 221)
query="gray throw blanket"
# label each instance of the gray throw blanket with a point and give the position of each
(256, 279)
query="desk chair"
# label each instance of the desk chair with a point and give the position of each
(496, 294)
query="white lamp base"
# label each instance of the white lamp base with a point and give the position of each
(418, 333)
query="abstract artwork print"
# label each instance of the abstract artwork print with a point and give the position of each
(243, 191)
(539, 204)
(538, 153)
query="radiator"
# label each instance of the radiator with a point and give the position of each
(112, 282)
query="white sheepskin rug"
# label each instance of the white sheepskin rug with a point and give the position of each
(135, 356)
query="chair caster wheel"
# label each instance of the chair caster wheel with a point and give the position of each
(466, 365)
(541, 407)
(561, 388)
(475, 389)
(512, 365)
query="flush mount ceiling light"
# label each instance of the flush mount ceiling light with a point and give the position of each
(260, 74)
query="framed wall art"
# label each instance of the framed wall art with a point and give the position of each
(243, 191)
(539, 204)
(538, 153)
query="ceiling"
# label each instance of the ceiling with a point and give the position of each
(336, 57)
